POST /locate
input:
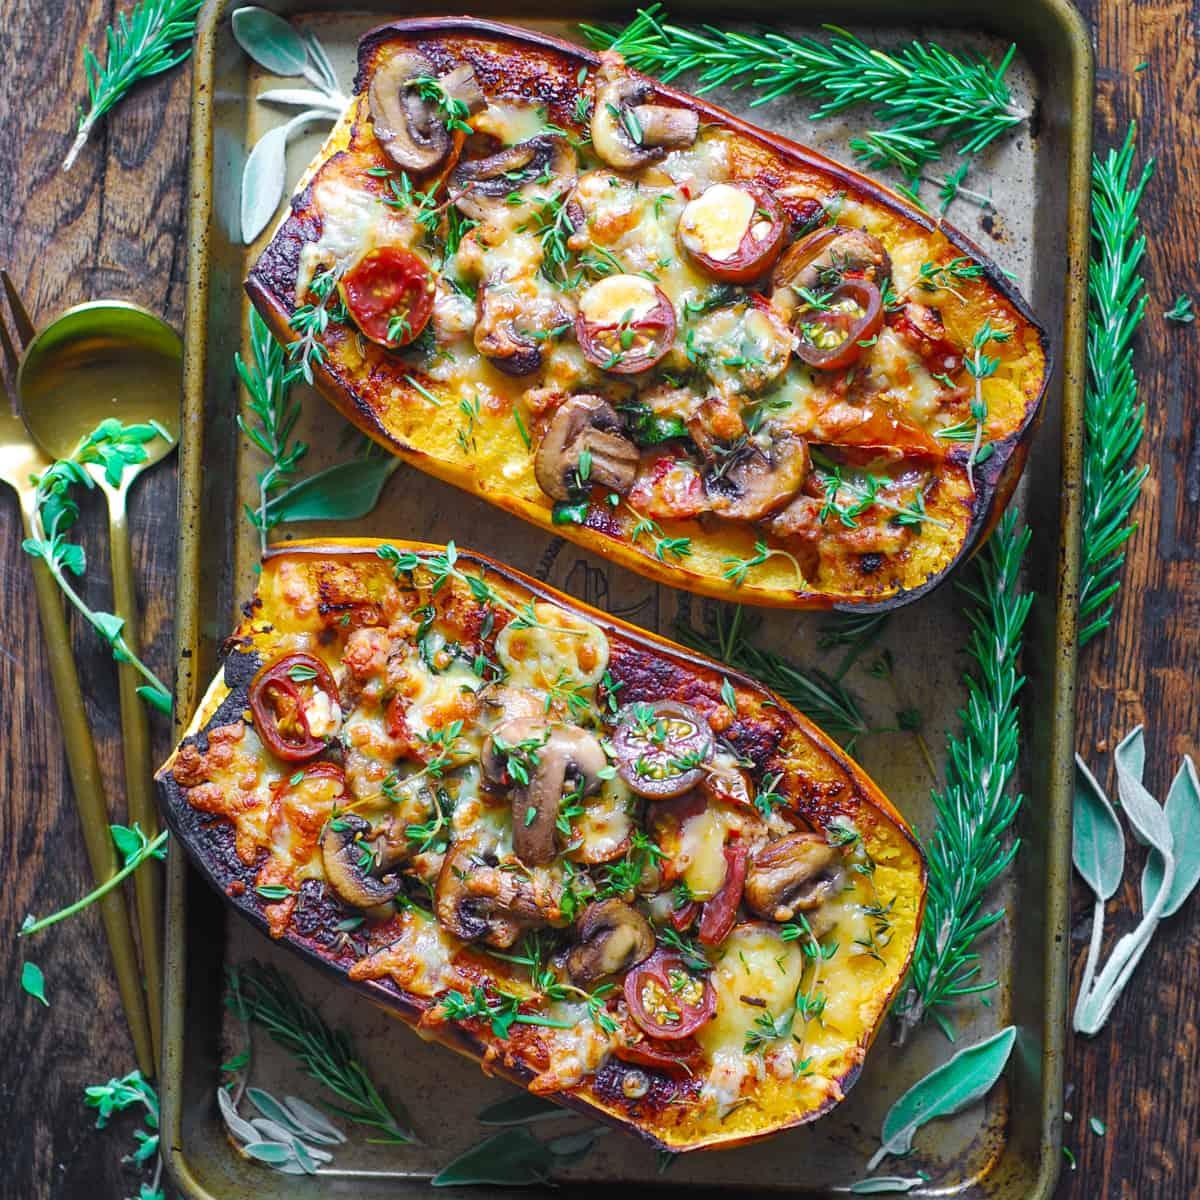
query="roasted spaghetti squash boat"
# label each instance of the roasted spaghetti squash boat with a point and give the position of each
(696, 348)
(607, 869)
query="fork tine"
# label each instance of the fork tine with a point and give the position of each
(25, 330)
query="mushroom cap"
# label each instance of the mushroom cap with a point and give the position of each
(796, 873)
(627, 132)
(759, 482)
(546, 162)
(341, 851)
(585, 423)
(613, 937)
(410, 128)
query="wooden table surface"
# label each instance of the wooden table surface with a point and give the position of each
(114, 226)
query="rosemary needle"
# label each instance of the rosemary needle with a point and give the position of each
(1114, 421)
(923, 96)
(151, 38)
(967, 850)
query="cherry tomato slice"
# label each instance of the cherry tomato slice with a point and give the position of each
(831, 335)
(661, 748)
(640, 331)
(678, 1059)
(666, 999)
(318, 770)
(922, 328)
(682, 918)
(278, 695)
(389, 293)
(721, 911)
(759, 245)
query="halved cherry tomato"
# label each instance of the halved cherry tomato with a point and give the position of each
(759, 244)
(681, 918)
(831, 334)
(625, 324)
(389, 293)
(278, 696)
(678, 1058)
(318, 770)
(922, 328)
(666, 999)
(661, 748)
(721, 911)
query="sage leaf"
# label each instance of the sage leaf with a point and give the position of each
(1183, 816)
(519, 1110)
(34, 982)
(234, 1121)
(274, 1153)
(1098, 842)
(507, 1159)
(946, 1090)
(300, 98)
(1143, 811)
(344, 492)
(317, 1125)
(885, 1183)
(274, 1111)
(270, 41)
(264, 176)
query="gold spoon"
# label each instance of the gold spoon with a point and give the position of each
(98, 360)
(19, 460)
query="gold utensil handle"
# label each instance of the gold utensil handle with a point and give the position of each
(135, 737)
(89, 798)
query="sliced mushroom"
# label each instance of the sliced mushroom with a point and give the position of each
(509, 325)
(754, 483)
(591, 424)
(570, 761)
(797, 873)
(545, 166)
(517, 731)
(348, 860)
(627, 132)
(612, 938)
(409, 125)
(477, 900)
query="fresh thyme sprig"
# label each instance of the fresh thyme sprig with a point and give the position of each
(1114, 421)
(966, 852)
(114, 446)
(117, 1096)
(310, 321)
(268, 384)
(152, 37)
(262, 995)
(924, 97)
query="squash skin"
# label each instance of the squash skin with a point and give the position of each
(648, 666)
(543, 69)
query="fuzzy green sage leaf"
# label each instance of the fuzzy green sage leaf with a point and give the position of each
(269, 40)
(946, 1090)
(344, 492)
(1183, 816)
(514, 1158)
(34, 982)
(520, 1110)
(1098, 842)
(882, 1184)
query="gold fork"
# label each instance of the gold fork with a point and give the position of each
(19, 460)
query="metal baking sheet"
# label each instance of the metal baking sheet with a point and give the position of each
(1008, 1147)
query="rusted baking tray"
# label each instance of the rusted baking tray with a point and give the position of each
(1038, 179)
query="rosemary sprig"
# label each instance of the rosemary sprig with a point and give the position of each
(152, 37)
(268, 383)
(974, 809)
(114, 446)
(262, 995)
(924, 97)
(1114, 421)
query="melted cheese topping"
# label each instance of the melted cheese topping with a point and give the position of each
(716, 222)
(617, 300)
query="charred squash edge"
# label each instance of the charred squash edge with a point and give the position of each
(995, 479)
(237, 671)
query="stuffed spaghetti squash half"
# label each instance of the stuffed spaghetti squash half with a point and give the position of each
(627, 316)
(607, 869)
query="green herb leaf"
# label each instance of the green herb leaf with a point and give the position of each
(1098, 843)
(270, 41)
(1098, 1127)
(514, 1158)
(729, 696)
(885, 1183)
(34, 982)
(520, 1110)
(946, 1090)
(1143, 812)
(347, 491)
(1181, 312)
(1183, 817)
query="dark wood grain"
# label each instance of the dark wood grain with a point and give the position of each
(114, 227)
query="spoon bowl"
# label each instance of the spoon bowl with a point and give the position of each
(110, 359)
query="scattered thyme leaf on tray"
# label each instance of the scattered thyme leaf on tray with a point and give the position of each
(1181, 312)
(150, 38)
(1114, 421)
(968, 850)
(925, 98)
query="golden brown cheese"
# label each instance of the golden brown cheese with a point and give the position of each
(945, 392)
(363, 703)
